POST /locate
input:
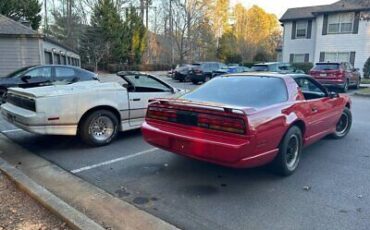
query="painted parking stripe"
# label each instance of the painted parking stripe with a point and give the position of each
(11, 130)
(113, 161)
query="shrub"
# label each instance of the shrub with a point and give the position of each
(114, 67)
(306, 67)
(249, 64)
(233, 59)
(367, 68)
(261, 56)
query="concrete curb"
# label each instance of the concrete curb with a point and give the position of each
(105, 209)
(74, 218)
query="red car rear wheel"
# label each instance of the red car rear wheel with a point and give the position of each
(287, 160)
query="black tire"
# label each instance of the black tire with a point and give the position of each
(207, 78)
(195, 82)
(91, 137)
(187, 78)
(343, 125)
(345, 87)
(286, 162)
(3, 92)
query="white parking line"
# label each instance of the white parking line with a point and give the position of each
(113, 161)
(11, 130)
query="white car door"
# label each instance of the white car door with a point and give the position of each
(144, 87)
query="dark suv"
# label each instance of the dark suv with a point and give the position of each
(202, 71)
(182, 72)
(340, 75)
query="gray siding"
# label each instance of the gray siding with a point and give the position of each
(18, 52)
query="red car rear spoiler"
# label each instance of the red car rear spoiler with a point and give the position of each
(174, 101)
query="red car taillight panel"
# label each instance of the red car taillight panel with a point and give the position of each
(207, 121)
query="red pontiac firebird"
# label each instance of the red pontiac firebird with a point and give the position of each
(248, 120)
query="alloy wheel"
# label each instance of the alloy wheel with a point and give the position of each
(342, 125)
(292, 152)
(101, 128)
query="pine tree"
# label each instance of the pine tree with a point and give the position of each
(134, 37)
(22, 10)
(367, 68)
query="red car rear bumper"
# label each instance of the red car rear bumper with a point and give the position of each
(331, 82)
(186, 141)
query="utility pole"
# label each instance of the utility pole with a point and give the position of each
(171, 34)
(46, 16)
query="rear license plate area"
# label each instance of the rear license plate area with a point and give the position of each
(323, 74)
(187, 118)
(180, 145)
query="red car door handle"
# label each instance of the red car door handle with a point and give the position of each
(314, 110)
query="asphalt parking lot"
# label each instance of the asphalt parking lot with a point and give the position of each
(330, 190)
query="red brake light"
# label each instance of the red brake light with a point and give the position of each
(233, 125)
(161, 114)
(208, 121)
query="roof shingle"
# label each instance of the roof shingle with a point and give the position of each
(11, 27)
(340, 6)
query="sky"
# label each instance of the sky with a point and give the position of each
(279, 7)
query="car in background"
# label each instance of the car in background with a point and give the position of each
(248, 120)
(94, 110)
(183, 72)
(42, 75)
(230, 69)
(339, 75)
(202, 71)
(278, 67)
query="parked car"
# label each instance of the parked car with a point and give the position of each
(248, 120)
(92, 109)
(340, 75)
(183, 72)
(41, 75)
(230, 69)
(202, 71)
(278, 67)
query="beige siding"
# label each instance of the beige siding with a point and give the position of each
(18, 52)
(359, 43)
(298, 46)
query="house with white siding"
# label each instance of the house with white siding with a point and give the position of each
(339, 32)
(20, 46)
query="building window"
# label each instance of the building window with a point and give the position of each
(299, 58)
(340, 23)
(48, 57)
(337, 56)
(301, 31)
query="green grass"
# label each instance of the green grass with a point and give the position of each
(365, 80)
(365, 91)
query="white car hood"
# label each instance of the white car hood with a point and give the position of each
(58, 90)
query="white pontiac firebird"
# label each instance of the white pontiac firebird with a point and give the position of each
(93, 110)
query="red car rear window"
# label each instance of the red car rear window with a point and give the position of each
(326, 66)
(245, 91)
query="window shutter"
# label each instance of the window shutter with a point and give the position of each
(294, 29)
(291, 58)
(309, 29)
(306, 58)
(356, 23)
(352, 58)
(322, 56)
(325, 25)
